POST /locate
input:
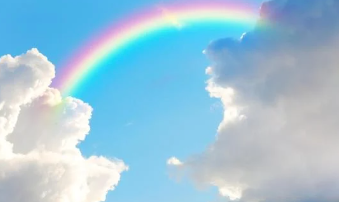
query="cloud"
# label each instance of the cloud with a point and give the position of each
(170, 17)
(279, 83)
(128, 124)
(173, 161)
(39, 134)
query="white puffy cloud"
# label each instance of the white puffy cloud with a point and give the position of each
(39, 134)
(22, 79)
(173, 161)
(279, 140)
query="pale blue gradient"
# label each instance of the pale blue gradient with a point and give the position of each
(152, 105)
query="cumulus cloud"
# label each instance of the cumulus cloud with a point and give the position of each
(39, 134)
(279, 139)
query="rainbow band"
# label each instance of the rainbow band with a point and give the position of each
(117, 36)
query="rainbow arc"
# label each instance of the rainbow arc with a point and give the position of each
(119, 35)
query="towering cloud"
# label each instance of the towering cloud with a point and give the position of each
(279, 140)
(39, 133)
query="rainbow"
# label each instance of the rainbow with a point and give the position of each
(118, 35)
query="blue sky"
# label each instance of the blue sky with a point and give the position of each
(149, 102)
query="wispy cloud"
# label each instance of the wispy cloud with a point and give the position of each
(128, 124)
(170, 17)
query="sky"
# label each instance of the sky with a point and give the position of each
(149, 102)
(251, 120)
